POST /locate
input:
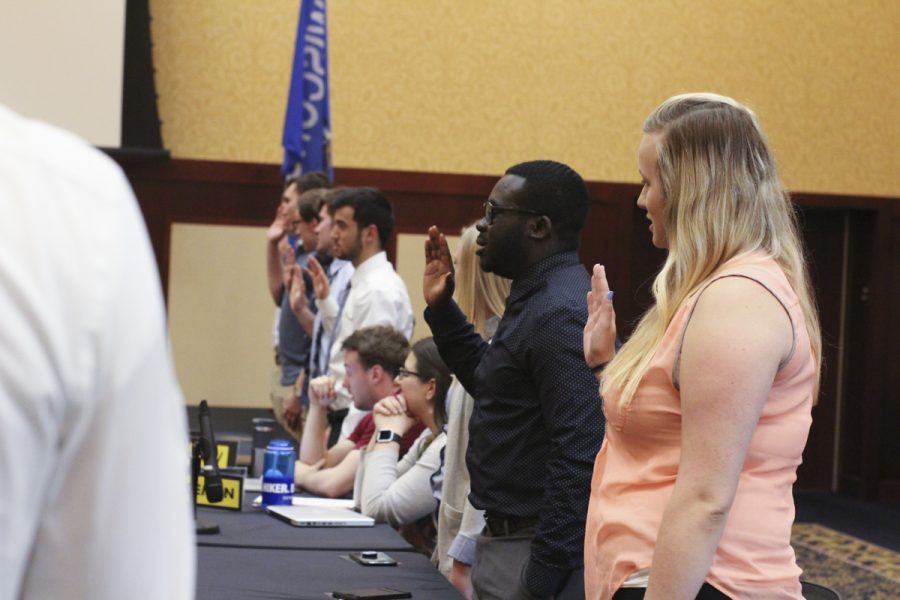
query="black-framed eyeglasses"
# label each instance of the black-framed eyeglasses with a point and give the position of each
(404, 372)
(491, 209)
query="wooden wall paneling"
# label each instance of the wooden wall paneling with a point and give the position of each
(444, 184)
(881, 357)
(645, 261)
(877, 394)
(889, 484)
(608, 239)
(853, 430)
(871, 371)
(153, 200)
(187, 191)
(823, 230)
(864, 430)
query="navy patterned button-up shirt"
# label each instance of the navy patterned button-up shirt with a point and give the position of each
(537, 422)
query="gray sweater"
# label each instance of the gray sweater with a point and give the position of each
(399, 492)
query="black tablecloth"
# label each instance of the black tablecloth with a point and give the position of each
(253, 528)
(246, 573)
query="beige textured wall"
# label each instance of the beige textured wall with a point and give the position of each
(220, 314)
(473, 86)
(220, 311)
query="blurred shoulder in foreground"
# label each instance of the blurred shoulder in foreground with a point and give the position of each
(93, 437)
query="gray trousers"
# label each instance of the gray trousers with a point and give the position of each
(499, 563)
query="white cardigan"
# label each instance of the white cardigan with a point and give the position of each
(399, 492)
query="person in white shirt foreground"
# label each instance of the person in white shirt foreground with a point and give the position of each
(362, 224)
(94, 450)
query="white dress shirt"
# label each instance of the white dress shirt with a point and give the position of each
(94, 454)
(377, 296)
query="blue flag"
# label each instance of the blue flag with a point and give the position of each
(307, 121)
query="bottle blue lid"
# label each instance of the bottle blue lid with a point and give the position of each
(280, 445)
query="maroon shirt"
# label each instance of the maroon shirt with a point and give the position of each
(366, 429)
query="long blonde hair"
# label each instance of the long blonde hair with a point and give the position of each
(479, 295)
(723, 199)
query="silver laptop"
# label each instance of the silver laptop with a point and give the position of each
(320, 516)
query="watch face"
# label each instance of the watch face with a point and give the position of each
(386, 435)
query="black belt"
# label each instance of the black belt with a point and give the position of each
(499, 526)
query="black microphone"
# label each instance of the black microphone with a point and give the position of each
(209, 452)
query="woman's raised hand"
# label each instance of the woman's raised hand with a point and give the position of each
(600, 329)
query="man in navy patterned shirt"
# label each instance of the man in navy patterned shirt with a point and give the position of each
(537, 423)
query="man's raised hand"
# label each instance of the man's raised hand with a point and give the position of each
(438, 282)
(279, 225)
(321, 287)
(298, 291)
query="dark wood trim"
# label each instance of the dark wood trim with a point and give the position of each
(843, 201)
(194, 191)
(889, 491)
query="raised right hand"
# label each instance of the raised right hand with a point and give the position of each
(321, 287)
(279, 226)
(438, 283)
(298, 291)
(600, 329)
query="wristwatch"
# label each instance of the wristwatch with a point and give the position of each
(386, 435)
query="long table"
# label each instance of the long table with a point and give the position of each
(258, 556)
(253, 528)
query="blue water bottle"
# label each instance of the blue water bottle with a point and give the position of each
(278, 473)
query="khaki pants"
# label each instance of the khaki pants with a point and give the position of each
(279, 395)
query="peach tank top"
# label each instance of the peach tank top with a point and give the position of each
(635, 470)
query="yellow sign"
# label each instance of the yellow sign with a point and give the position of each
(232, 492)
(222, 454)
(225, 454)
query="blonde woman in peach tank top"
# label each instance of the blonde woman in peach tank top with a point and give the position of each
(708, 404)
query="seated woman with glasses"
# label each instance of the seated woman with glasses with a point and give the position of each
(399, 491)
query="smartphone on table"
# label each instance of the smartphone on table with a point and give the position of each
(371, 558)
(378, 593)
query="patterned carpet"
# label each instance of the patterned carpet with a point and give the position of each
(857, 570)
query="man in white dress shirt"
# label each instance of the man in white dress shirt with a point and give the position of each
(94, 450)
(362, 223)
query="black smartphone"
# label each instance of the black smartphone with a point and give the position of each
(371, 558)
(381, 593)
